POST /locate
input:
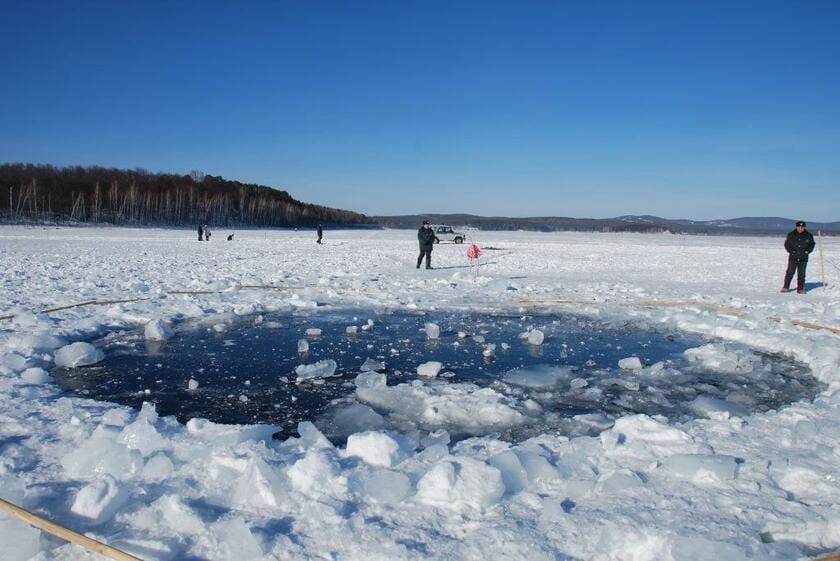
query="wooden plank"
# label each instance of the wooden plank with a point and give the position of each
(66, 534)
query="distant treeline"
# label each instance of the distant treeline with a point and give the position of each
(43, 193)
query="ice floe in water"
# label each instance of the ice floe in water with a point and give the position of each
(467, 374)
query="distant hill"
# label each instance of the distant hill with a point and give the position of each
(629, 223)
(42, 193)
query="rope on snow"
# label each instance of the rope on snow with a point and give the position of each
(188, 292)
(693, 303)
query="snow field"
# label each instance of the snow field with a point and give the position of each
(722, 488)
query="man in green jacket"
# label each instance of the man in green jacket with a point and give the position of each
(426, 236)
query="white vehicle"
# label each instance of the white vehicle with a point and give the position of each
(445, 233)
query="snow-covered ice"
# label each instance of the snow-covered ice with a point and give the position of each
(728, 486)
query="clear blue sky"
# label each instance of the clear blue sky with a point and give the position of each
(683, 109)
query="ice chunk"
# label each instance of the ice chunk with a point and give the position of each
(36, 376)
(313, 332)
(705, 406)
(630, 363)
(456, 407)
(244, 309)
(320, 369)
(700, 468)
(148, 412)
(231, 540)
(227, 435)
(520, 468)
(303, 346)
(644, 439)
(351, 329)
(29, 343)
(539, 468)
(171, 513)
(489, 350)
(311, 437)
(78, 354)
(258, 488)
(536, 337)
(157, 330)
(372, 365)
(350, 419)
(719, 358)
(429, 369)
(141, 435)
(101, 455)
(220, 327)
(158, 468)
(432, 330)
(370, 381)
(13, 362)
(461, 484)
(376, 448)
(578, 383)
(146, 548)
(597, 421)
(317, 473)
(192, 384)
(116, 417)
(99, 500)
(514, 475)
(618, 481)
(383, 486)
(540, 376)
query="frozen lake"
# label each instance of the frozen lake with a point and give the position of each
(721, 445)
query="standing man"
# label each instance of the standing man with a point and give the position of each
(799, 244)
(426, 236)
(200, 233)
(320, 233)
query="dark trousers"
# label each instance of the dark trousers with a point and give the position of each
(796, 266)
(427, 252)
(200, 236)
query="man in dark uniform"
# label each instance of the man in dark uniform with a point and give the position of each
(200, 233)
(320, 233)
(799, 244)
(426, 236)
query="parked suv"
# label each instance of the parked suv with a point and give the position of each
(445, 233)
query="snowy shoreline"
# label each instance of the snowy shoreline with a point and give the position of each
(723, 488)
